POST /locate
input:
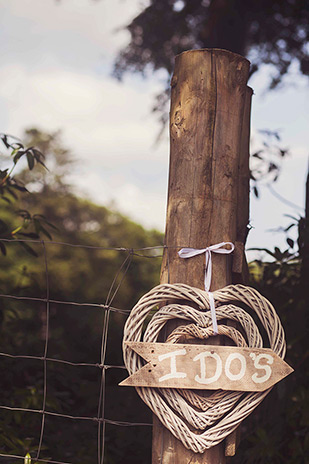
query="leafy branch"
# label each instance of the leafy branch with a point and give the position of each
(32, 226)
(265, 163)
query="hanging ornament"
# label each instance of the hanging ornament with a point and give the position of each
(169, 376)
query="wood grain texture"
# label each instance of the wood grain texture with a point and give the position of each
(232, 442)
(240, 271)
(207, 108)
(208, 100)
(201, 367)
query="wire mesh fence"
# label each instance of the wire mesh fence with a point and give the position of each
(61, 359)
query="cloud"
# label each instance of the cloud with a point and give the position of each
(107, 127)
(97, 114)
(55, 75)
(74, 32)
(141, 204)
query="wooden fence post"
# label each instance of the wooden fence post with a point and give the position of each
(209, 128)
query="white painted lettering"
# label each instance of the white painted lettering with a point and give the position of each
(173, 374)
(201, 357)
(243, 365)
(257, 365)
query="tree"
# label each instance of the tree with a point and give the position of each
(267, 32)
(77, 274)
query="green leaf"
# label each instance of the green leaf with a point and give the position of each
(29, 235)
(289, 227)
(3, 226)
(3, 248)
(17, 145)
(257, 154)
(27, 459)
(272, 167)
(30, 160)
(24, 214)
(283, 152)
(292, 217)
(263, 249)
(45, 232)
(14, 151)
(43, 219)
(37, 225)
(3, 173)
(19, 187)
(4, 140)
(18, 156)
(28, 249)
(6, 199)
(38, 156)
(12, 193)
(278, 254)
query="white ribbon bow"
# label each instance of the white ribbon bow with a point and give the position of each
(218, 248)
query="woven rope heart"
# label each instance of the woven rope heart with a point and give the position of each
(186, 412)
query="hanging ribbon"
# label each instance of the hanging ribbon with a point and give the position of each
(218, 248)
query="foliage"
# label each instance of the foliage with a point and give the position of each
(23, 224)
(82, 275)
(278, 430)
(266, 161)
(267, 32)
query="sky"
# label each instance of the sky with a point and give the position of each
(55, 73)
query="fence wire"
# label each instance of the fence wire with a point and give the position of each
(100, 419)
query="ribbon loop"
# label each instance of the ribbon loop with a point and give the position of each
(218, 248)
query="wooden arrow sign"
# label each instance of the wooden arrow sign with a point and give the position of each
(206, 367)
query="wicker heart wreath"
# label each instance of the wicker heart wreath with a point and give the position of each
(201, 422)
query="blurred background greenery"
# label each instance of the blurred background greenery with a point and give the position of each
(77, 274)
